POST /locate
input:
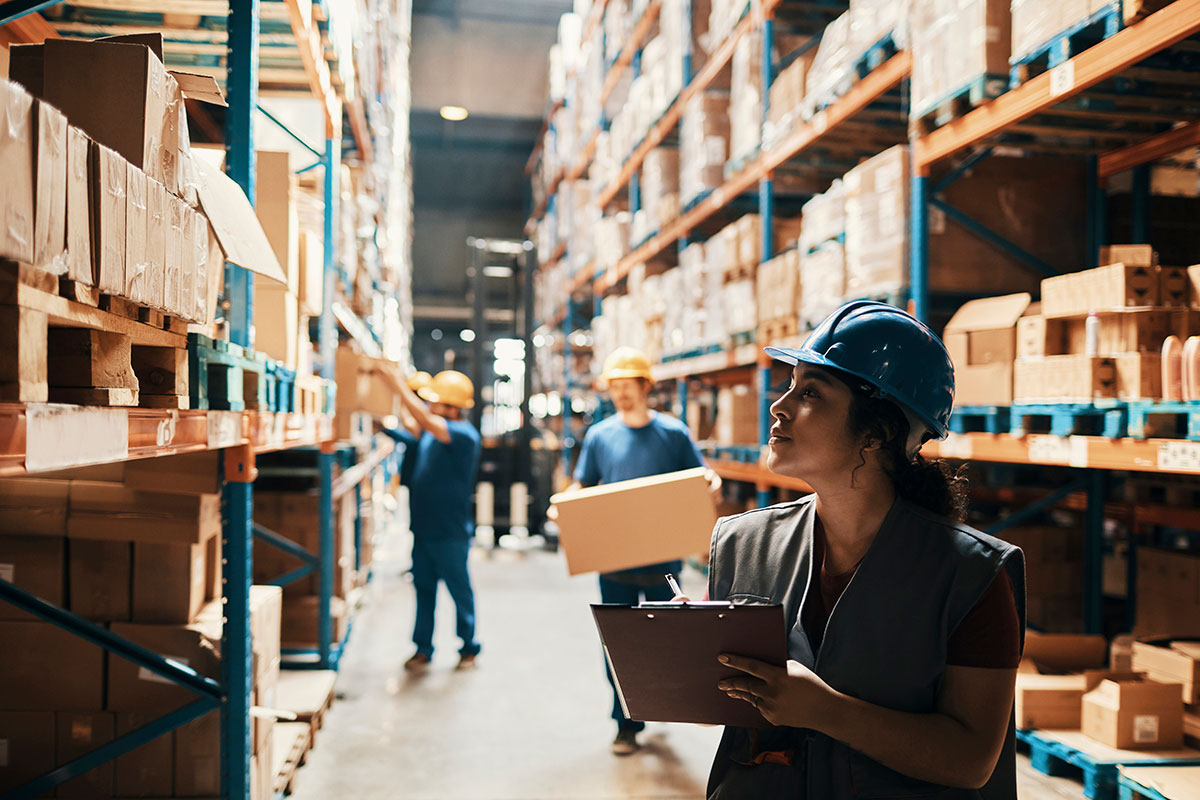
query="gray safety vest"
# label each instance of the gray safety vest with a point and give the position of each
(885, 642)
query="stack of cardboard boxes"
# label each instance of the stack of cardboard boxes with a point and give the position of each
(703, 144)
(362, 394)
(955, 43)
(135, 548)
(1053, 575)
(100, 184)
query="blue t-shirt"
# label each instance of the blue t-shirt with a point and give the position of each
(440, 480)
(613, 451)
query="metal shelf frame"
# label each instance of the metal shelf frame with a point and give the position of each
(240, 434)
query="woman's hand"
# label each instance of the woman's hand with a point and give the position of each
(793, 695)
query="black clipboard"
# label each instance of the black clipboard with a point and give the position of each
(663, 657)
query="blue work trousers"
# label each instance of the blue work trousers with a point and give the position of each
(612, 591)
(441, 559)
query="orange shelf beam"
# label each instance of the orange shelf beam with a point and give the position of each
(1152, 149)
(1110, 57)
(756, 474)
(1175, 456)
(640, 31)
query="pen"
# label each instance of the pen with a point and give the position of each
(674, 584)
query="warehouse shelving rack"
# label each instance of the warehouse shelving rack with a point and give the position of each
(149, 433)
(1050, 112)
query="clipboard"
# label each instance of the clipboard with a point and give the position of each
(663, 657)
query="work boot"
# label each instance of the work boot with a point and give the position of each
(466, 662)
(419, 662)
(625, 744)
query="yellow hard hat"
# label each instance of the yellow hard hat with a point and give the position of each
(419, 380)
(626, 362)
(450, 387)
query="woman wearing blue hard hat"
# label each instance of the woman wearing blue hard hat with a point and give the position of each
(905, 626)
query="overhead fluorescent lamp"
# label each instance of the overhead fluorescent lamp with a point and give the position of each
(497, 271)
(453, 113)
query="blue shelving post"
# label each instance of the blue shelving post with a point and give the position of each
(919, 242)
(326, 651)
(237, 547)
(766, 213)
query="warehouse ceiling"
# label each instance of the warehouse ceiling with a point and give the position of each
(490, 57)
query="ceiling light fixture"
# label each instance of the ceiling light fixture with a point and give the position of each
(497, 271)
(453, 113)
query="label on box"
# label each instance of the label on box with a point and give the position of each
(6, 572)
(59, 436)
(224, 429)
(1145, 728)
(1179, 456)
(148, 675)
(1062, 78)
(81, 730)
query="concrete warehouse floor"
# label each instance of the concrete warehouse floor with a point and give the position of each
(531, 723)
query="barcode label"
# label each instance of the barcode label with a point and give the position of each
(1179, 456)
(1062, 78)
(1145, 728)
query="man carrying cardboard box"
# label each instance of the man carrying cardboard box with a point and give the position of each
(636, 443)
(440, 462)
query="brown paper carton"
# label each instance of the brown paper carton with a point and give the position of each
(312, 273)
(29, 747)
(1065, 652)
(99, 574)
(636, 523)
(192, 473)
(50, 190)
(298, 627)
(1049, 701)
(274, 203)
(1064, 379)
(171, 581)
(110, 175)
(36, 564)
(149, 770)
(104, 511)
(201, 249)
(198, 757)
(45, 667)
(17, 165)
(276, 322)
(981, 339)
(1139, 376)
(1168, 594)
(77, 735)
(79, 217)
(1177, 663)
(737, 415)
(32, 506)
(1134, 715)
(136, 234)
(156, 245)
(173, 263)
(1133, 255)
(187, 265)
(134, 688)
(1110, 288)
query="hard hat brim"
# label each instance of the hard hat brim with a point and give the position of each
(430, 396)
(626, 373)
(797, 355)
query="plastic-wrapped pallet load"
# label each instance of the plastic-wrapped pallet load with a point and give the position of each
(956, 45)
(703, 144)
(824, 217)
(660, 191)
(786, 99)
(745, 98)
(779, 291)
(822, 281)
(831, 69)
(723, 18)
(1036, 22)
(877, 224)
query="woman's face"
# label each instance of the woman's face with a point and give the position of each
(810, 436)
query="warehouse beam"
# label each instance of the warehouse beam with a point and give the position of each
(1153, 149)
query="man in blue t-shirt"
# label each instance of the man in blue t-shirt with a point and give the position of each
(636, 443)
(441, 459)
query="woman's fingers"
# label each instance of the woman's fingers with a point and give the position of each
(751, 666)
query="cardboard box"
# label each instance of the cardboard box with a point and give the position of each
(1110, 288)
(113, 91)
(275, 187)
(173, 262)
(110, 175)
(197, 310)
(171, 582)
(77, 735)
(1129, 331)
(137, 220)
(79, 215)
(1059, 379)
(198, 757)
(737, 416)
(191, 473)
(1038, 336)
(1193, 274)
(104, 511)
(99, 576)
(154, 279)
(636, 523)
(1139, 376)
(148, 771)
(296, 516)
(1049, 701)
(16, 162)
(50, 190)
(982, 340)
(32, 506)
(312, 273)
(1134, 715)
(187, 264)
(27, 742)
(1173, 286)
(1055, 653)
(36, 564)
(134, 688)
(45, 667)
(298, 626)
(1168, 594)
(276, 322)
(1177, 663)
(1133, 255)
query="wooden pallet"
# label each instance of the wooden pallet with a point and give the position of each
(292, 741)
(1071, 754)
(1159, 783)
(1158, 420)
(1068, 419)
(959, 102)
(225, 377)
(310, 395)
(64, 350)
(308, 694)
(980, 419)
(1090, 30)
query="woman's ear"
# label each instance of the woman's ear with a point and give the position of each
(872, 445)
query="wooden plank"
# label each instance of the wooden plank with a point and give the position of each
(1110, 57)
(1151, 149)
(306, 693)
(65, 313)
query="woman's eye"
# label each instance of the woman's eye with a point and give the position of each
(809, 393)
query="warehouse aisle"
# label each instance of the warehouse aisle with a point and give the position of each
(530, 723)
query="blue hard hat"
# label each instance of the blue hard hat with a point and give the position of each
(888, 348)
